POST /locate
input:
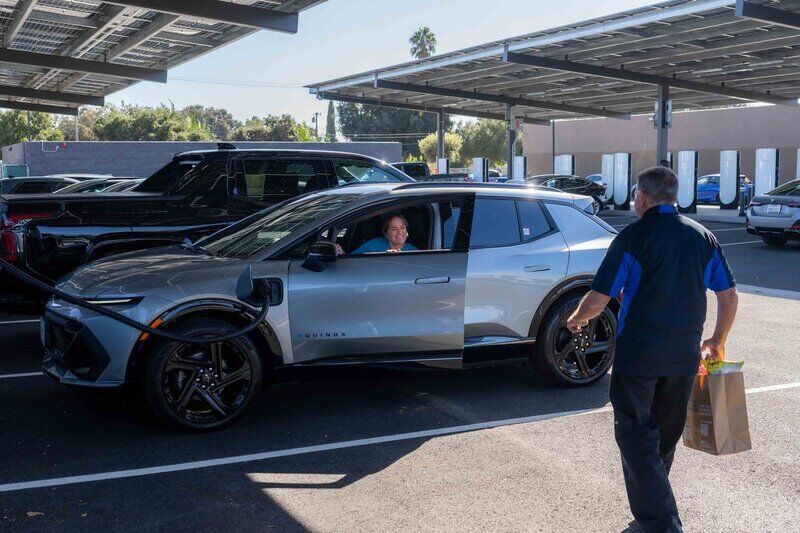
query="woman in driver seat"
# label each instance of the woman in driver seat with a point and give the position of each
(395, 231)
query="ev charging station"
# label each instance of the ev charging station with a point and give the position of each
(564, 164)
(622, 181)
(519, 168)
(443, 165)
(797, 168)
(729, 181)
(687, 181)
(607, 171)
(480, 169)
(767, 161)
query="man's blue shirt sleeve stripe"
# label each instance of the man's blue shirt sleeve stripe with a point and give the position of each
(718, 276)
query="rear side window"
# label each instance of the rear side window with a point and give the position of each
(416, 170)
(532, 220)
(35, 187)
(494, 223)
(275, 180)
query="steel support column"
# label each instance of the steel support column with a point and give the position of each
(440, 129)
(661, 124)
(512, 139)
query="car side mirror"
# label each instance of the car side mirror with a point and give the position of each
(319, 253)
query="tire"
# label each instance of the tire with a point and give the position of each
(555, 356)
(774, 240)
(597, 204)
(207, 403)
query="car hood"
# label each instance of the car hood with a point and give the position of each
(169, 273)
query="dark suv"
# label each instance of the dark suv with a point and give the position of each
(192, 196)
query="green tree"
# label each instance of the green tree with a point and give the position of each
(484, 138)
(219, 121)
(452, 147)
(423, 43)
(14, 127)
(138, 123)
(330, 125)
(274, 128)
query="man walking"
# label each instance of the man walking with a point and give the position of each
(663, 263)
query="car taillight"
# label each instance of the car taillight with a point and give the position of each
(11, 251)
(796, 226)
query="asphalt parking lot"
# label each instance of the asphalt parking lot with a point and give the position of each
(490, 449)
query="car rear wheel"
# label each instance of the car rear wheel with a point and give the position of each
(774, 240)
(574, 360)
(202, 387)
(597, 205)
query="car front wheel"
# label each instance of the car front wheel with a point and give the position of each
(574, 360)
(202, 386)
(597, 204)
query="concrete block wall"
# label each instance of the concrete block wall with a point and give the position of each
(141, 159)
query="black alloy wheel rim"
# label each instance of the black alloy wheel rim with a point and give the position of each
(206, 384)
(584, 355)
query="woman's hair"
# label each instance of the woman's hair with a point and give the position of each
(388, 220)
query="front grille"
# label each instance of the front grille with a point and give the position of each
(71, 346)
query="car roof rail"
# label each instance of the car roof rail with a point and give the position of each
(226, 146)
(461, 184)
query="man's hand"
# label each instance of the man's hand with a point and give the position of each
(713, 350)
(575, 323)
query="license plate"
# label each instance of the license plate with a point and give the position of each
(773, 209)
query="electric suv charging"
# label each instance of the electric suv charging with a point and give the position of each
(493, 272)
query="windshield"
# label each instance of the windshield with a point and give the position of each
(254, 233)
(787, 189)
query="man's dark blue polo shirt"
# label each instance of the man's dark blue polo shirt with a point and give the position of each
(663, 264)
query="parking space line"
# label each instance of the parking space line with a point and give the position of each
(765, 291)
(20, 322)
(22, 375)
(726, 229)
(738, 243)
(239, 459)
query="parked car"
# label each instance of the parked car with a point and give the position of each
(86, 186)
(496, 271)
(708, 188)
(775, 216)
(82, 177)
(595, 178)
(123, 185)
(194, 195)
(34, 184)
(573, 185)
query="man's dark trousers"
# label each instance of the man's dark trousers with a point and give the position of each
(649, 415)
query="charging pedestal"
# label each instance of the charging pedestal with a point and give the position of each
(729, 181)
(480, 169)
(443, 165)
(564, 165)
(607, 171)
(767, 161)
(622, 181)
(519, 168)
(687, 181)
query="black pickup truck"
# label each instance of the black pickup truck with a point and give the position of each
(195, 194)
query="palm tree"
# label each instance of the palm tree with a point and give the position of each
(423, 43)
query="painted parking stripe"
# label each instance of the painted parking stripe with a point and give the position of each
(764, 291)
(238, 459)
(738, 243)
(20, 322)
(22, 375)
(726, 229)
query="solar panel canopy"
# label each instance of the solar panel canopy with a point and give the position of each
(59, 54)
(709, 53)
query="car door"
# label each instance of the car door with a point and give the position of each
(517, 256)
(383, 307)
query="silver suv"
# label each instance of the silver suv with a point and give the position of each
(491, 274)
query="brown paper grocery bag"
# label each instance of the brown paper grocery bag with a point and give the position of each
(716, 419)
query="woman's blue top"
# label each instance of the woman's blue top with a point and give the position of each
(379, 244)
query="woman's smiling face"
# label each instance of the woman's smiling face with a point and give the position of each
(396, 232)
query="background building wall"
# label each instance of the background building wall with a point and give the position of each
(708, 132)
(143, 158)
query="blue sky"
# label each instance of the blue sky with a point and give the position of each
(342, 37)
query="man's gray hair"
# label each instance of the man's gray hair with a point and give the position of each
(660, 184)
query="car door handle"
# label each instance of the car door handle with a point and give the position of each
(537, 268)
(430, 281)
